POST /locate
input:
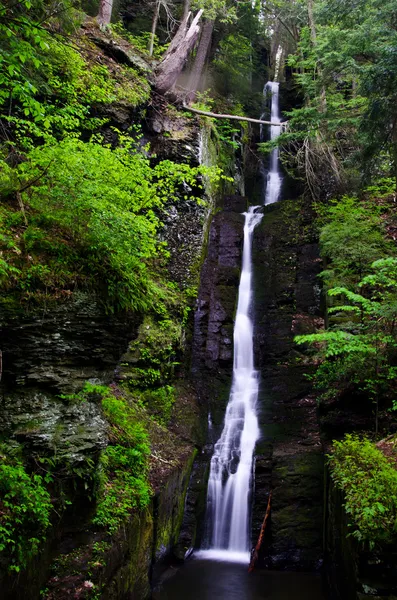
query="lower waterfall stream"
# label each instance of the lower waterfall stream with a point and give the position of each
(231, 464)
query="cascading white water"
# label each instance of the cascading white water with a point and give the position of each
(230, 477)
(273, 185)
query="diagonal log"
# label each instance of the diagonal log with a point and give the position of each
(233, 117)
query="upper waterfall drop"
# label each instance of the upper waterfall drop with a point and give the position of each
(230, 479)
(274, 181)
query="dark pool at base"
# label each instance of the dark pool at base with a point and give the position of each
(210, 580)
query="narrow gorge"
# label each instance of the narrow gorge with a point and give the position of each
(198, 301)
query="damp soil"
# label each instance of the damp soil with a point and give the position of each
(201, 579)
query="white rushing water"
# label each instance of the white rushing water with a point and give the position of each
(230, 477)
(273, 184)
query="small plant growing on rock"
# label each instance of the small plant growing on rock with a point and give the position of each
(25, 509)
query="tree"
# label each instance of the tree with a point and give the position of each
(348, 54)
(177, 54)
(105, 11)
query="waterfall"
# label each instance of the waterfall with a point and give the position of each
(231, 469)
(273, 184)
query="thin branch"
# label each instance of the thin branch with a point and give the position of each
(280, 20)
(33, 181)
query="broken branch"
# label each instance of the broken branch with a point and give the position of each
(255, 555)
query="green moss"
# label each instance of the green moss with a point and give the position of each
(122, 472)
(171, 505)
(159, 402)
(131, 87)
(369, 483)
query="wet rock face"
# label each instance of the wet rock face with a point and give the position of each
(212, 360)
(50, 353)
(184, 233)
(61, 347)
(46, 425)
(289, 457)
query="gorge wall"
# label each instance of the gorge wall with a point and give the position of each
(289, 458)
(48, 353)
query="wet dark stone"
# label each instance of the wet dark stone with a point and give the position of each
(289, 459)
(289, 455)
(212, 352)
(60, 347)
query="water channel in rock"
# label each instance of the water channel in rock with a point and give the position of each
(220, 569)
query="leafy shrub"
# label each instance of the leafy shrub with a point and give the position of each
(351, 238)
(124, 487)
(123, 466)
(357, 351)
(369, 484)
(25, 509)
(93, 217)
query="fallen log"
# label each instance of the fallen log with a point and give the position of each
(255, 554)
(233, 117)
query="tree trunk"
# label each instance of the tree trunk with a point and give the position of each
(154, 27)
(394, 151)
(186, 9)
(313, 36)
(105, 11)
(174, 60)
(199, 61)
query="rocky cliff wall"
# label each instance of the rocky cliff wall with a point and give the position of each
(48, 353)
(354, 573)
(289, 458)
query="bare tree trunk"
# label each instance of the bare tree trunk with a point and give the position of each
(154, 27)
(178, 51)
(273, 49)
(186, 9)
(199, 61)
(313, 36)
(312, 25)
(394, 151)
(105, 11)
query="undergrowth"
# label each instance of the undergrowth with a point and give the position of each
(123, 466)
(369, 484)
(25, 510)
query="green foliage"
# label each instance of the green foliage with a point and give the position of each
(233, 65)
(122, 471)
(47, 87)
(93, 217)
(359, 348)
(347, 73)
(158, 347)
(25, 509)
(159, 402)
(351, 238)
(357, 351)
(123, 488)
(141, 41)
(216, 9)
(369, 484)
